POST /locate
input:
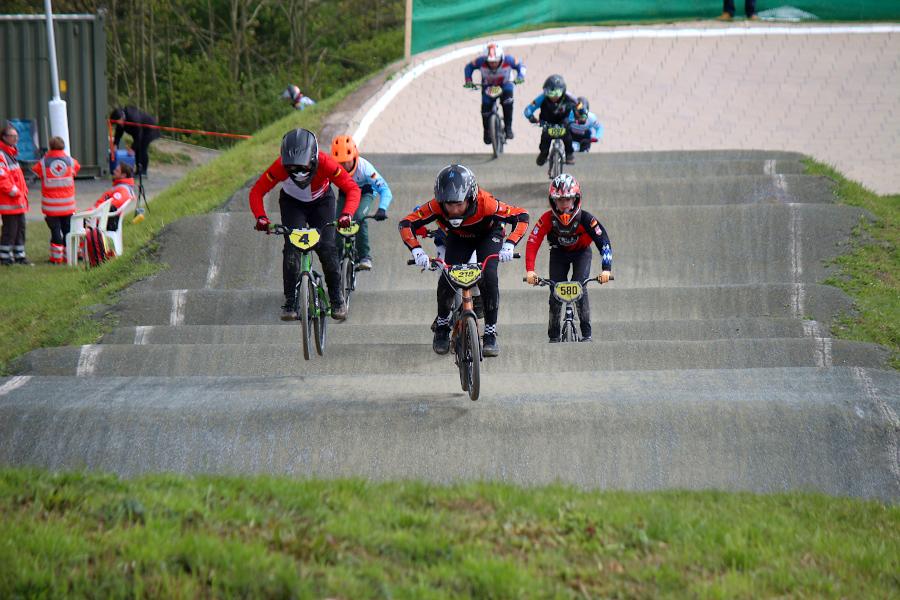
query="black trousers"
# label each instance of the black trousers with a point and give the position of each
(749, 7)
(142, 152)
(12, 237)
(580, 264)
(506, 101)
(459, 250)
(544, 148)
(310, 214)
(59, 229)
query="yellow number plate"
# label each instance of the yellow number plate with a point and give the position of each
(556, 132)
(349, 230)
(465, 276)
(568, 291)
(304, 238)
(494, 91)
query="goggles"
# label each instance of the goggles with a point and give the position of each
(298, 169)
(554, 93)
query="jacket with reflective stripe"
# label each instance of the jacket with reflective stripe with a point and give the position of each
(13, 190)
(57, 172)
(121, 191)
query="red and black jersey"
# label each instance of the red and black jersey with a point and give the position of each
(588, 230)
(327, 172)
(489, 215)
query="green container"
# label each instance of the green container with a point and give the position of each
(26, 88)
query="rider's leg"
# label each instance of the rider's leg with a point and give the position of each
(506, 100)
(456, 251)
(543, 149)
(362, 238)
(487, 107)
(490, 290)
(581, 270)
(339, 206)
(559, 271)
(291, 216)
(319, 212)
(570, 153)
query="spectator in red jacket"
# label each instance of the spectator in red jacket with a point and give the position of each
(57, 172)
(306, 200)
(121, 192)
(13, 200)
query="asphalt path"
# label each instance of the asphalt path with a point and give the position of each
(712, 366)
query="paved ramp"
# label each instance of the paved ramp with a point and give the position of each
(712, 367)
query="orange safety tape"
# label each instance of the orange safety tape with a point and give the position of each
(180, 130)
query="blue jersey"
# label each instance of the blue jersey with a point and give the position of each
(590, 128)
(502, 74)
(369, 181)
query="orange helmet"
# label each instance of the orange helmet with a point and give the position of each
(343, 149)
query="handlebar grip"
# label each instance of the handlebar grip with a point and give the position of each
(410, 261)
(517, 255)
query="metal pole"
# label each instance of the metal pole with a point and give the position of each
(59, 121)
(407, 37)
(51, 43)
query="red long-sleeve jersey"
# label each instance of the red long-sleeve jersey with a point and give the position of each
(589, 230)
(328, 172)
(489, 212)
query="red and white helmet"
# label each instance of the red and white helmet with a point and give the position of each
(565, 186)
(493, 54)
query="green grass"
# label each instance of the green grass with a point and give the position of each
(56, 306)
(870, 273)
(79, 535)
(162, 157)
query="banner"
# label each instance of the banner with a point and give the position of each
(437, 23)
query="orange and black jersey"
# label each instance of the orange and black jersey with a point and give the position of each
(589, 231)
(490, 214)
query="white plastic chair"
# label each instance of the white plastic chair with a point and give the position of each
(99, 215)
(116, 234)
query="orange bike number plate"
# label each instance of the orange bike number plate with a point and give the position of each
(568, 291)
(304, 238)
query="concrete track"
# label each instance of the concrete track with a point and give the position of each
(713, 366)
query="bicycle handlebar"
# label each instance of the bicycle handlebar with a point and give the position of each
(436, 261)
(279, 229)
(542, 282)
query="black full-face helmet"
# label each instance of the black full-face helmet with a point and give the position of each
(300, 155)
(555, 87)
(456, 184)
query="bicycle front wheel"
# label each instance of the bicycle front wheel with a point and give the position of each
(470, 361)
(556, 161)
(568, 332)
(303, 311)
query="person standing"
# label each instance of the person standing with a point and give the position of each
(728, 10)
(13, 200)
(57, 172)
(135, 122)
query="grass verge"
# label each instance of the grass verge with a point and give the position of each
(47, 305)
(87, 535)
(870, 273)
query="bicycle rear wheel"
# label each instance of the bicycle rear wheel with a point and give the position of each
(303, 311)
(320, 314)
(347, 276)
(470, 359)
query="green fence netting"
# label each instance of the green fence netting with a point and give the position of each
(437, 23)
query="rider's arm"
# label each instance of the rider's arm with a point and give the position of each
(518, 67)
(268, 180)
(535, 239)
(601, 239)
(535, 104)
(378, 184)
(420, 217)
(596, 126)
(514, 215)
(341, 178)
(470, 68)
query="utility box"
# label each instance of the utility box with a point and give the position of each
(25, 89)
